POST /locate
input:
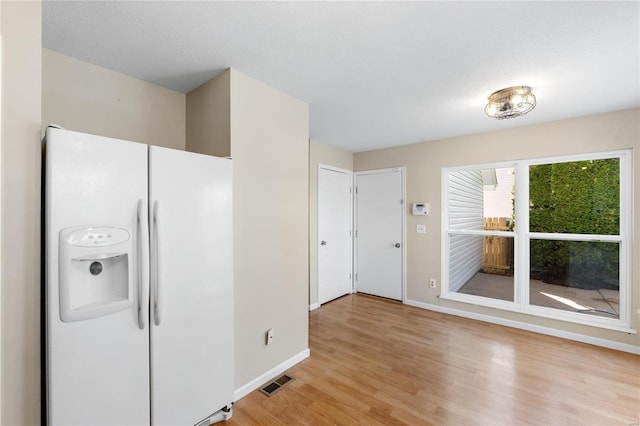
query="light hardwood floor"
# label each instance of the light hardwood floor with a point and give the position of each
(378, 362)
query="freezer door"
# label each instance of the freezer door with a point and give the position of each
(97, 347)
(191, 286)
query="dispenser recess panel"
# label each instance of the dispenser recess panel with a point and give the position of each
(94, 271)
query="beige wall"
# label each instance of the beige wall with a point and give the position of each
(424, 162)
(327, 155)
(20, 182)
(268, 136)
(270, 150)
(208, 117)
(86, 98)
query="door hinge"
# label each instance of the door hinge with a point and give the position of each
(350, 190)
(349, 232)
(356, 277)
(356, 189)
(401, 201)
(356, 233)
(349, 276)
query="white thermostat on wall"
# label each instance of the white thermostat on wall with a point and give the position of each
(420, 209)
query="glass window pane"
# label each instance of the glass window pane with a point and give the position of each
(579, 276)
(578, 197)
(476, 195)
(481, 266)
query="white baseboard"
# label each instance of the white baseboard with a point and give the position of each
(265, 377)
(529, 327)
(313, 306)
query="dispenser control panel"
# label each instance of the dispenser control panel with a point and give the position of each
(98, 236)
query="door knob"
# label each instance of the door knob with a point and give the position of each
(397, 245)
(323, 243)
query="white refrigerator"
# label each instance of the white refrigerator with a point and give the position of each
(139, 283)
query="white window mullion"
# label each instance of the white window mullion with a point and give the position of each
(444, 235)
(521, 254)
(626, 199)
(577, 237)
(488, 233)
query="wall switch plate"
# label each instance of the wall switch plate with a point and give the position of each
(421, 229)
(269, 336)
(432, 283)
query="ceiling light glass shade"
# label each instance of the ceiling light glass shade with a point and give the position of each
(510, 102)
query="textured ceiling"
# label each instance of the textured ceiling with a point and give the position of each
(375, 74)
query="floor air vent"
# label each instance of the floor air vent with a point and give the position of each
(276, 385)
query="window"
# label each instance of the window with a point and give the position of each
(549, 237)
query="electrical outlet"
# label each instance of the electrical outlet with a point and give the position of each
(421, 229)
(432, 283)
(269, 336)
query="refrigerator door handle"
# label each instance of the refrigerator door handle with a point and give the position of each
(156, 266)
(142, 266)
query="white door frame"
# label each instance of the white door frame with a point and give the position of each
(403, 173)
(350, 173)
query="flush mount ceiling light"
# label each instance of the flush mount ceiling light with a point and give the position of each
(510, 102)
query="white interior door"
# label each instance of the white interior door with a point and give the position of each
(334, 233)
(380, 232)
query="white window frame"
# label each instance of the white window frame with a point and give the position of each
(522, 238)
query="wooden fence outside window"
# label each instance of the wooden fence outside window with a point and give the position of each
(497, 256)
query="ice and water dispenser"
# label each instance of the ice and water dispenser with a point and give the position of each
(94, 271)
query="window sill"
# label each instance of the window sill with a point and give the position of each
(539, 311)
